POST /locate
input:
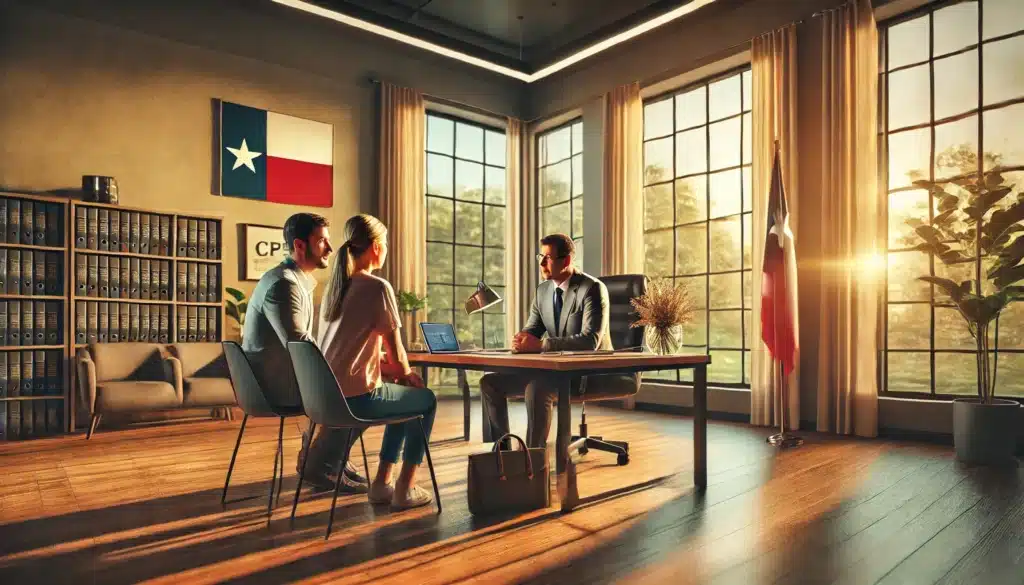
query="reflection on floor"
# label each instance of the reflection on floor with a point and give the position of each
(143, 505)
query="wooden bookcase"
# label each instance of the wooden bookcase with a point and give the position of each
(34, 351)
(133, 283)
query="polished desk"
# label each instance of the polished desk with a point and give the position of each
(561, 368)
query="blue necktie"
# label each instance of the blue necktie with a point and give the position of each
(558, 308)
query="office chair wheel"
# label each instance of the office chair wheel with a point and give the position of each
(623, 459)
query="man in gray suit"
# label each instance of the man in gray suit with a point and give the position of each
(570, 312)
(281, 310)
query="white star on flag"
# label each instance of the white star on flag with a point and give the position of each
(244, 156)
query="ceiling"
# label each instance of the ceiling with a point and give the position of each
(524, 35)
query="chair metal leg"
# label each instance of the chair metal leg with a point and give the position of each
(231, 466)
(430, 465)
(92, 425)
(337, 486)
(273, 478)
(280, 454)
(366, 466)
(302, 471)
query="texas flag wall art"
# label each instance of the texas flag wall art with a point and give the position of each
(269, 156)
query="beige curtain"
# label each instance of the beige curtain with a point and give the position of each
(852, 234)
(774, 71)
(515, 249)
(401, 188)
(623, 245)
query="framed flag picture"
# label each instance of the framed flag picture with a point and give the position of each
(267, 156)
(264, 249)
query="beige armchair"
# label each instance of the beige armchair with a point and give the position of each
(127, 377)
(205, 380)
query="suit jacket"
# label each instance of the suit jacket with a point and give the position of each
(280, 310)
(584, 321)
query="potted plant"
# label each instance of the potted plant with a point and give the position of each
(236, 308)
(409, 303)
(976, 225)
(663, 310)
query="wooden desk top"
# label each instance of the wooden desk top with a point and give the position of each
(558, 361)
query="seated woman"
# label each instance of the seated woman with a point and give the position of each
(359, 337)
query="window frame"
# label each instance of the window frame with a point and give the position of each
(538, 167)
(883, 134)
(746, 354)
(482, 247)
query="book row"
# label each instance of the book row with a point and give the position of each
(31, 272)
(36, 223)
(28, 323)
(111, 277)
(113, 322)
(31, 374)
(112, 230)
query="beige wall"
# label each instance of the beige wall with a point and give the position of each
(124, 88)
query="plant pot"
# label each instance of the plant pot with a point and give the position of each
(986, 434)
(666, 341)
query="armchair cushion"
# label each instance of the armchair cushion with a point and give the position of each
(128, 361)
(208, 392)
(201, 360)
(135, 396)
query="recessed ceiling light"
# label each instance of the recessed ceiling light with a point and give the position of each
(589, 51)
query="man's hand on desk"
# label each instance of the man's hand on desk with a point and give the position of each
(524, 342)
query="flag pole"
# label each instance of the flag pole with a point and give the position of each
(782, 439)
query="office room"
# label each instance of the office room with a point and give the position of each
(515, 291)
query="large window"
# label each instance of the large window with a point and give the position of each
(560, 180)
(952, 87)
(465, 202)
(697, 215)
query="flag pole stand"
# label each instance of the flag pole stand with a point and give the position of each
(784, 439)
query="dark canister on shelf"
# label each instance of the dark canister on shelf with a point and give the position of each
(100, 189)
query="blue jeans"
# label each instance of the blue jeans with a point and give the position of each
(395, 400)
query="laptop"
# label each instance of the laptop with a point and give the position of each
(441, 338)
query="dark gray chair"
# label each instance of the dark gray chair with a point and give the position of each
(326, 405)
(621, 314)
(254, 402)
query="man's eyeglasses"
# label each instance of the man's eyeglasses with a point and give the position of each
(542, 258)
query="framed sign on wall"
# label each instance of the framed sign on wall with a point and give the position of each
(263, 249)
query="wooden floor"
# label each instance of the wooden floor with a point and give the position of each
(143, 505)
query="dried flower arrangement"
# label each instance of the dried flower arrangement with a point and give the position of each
(663, 309)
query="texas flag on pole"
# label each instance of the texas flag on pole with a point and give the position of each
(778, 281)
(273, 157)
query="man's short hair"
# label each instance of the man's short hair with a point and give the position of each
(560, 243)
(300, 226)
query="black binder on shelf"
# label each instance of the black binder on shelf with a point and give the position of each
(81, 318)
(193, 236)
(134, 324)
(3, 328)
(103, 276)
(126, 279)
(135, 235)
(81, 275)
(14, 391)
(104, 236)
(114, 239)
(39, 389)
(54, 224)
(182, 324)
(14, 221)
(165, 324)
(93, 278)
(114, 324)
(27, 323)
(154, 234)
(3, 239)
(125, 236)
(145, 279)
(91, 228)
(102, 327)
(39, 226)
(144, 323)
(181, 288)
(213, 283)
(114, 274)
(201, 324)
(92, 320)
(193, 322)
(182, 237)
(165, 280)
(136, 278)
(201, 238)
(165, 236)
(144, 234)
(212, 315)
(39, 322)
(81, 227)
(53, 388)
(201, 294)
(154, 324)
(53, 274)
(27, 221)
(53, 323)
(3, 270)
(14, 323)
(213, 243)
(123, 320)
(39, 272)
(27, 266)
(193, 282)
(14, 272)
(27, 374)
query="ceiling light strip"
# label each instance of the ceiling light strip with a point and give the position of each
(403, 38)
(590, 51)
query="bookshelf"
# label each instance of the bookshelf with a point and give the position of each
(34, 351)
(143, 275)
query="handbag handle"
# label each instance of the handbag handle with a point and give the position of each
(501, 464)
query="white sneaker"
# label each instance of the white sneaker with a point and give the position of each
(381, 493)
(416, 497)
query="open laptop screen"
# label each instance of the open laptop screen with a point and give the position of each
(439, 337)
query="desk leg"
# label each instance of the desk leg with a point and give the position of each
(700, 426)
(464, 386)
(565, 469)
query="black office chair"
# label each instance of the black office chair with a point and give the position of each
(621, 289)
(254, 402)
(326, 405)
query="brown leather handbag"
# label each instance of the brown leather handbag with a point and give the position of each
(501, 482)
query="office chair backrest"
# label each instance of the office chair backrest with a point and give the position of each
(321, 396)
(622, 288)
(248, 392)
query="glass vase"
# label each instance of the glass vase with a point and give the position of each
(664, 340)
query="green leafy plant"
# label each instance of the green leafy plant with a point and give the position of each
(976, 226)
(236, 308)
(410, 301)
